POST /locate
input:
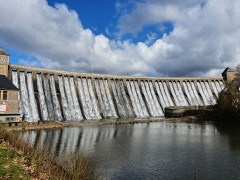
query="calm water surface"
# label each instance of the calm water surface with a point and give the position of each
(162, 150)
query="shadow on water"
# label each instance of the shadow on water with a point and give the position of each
(230, 130)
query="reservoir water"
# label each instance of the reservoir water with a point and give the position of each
(161, 150)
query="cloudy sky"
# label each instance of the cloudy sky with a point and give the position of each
(128, 37)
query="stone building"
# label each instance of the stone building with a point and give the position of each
(228, 75)
(9, 104)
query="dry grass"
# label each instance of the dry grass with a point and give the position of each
(41, 166)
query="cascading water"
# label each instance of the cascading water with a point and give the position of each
(33, 104)
(221, 85)
(65, 106)
(78, 114)
(56, 105)
(25, 98)
(42, 101)
(218, 86)
(69, 99)
(174, 95)
(187, 91)
(205, 92)
(136, 101)
(147, 99)
(93, 100)
(192, 94)
(152, 102)
(126, 102)
(181, 94)
(159, 111)
(143, 106)
(215, 89)
(165, 90)
(212, 99)
(105, 99)
(48, 98)
(109, 98)
(100, 100)
(85, 99)
(117, 100)
(202, 94)
(196, 94)
(121, 100)
(161, 98)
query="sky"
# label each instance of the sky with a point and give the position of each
(123, 37)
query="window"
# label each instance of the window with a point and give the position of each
(3, 95)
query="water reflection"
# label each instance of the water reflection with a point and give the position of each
(162, 150)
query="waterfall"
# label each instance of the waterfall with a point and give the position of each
(33, 104)
(48, 96)
(109, 97)
(161, 98)
(16, 83)
(93, 100)
(143, 106)
(120, 97)
(78, 114)
(174, 95)
(178, 96)
(56, 105)
(218, 86)
(221, 85)
(212, 99)
(115, 94)
(152, 101)
(126, 102)
(205, 92)
(151, 111)
(215, 89)
(181, 94)
(85, 98)
(132, 98)
(105, 99)
(100, 100)
(65, 107)
(187, 91)
(165, 92)
(69, 99)
(25, 98)
(159, 111)
(43, 105)
(196, 94)
(202, 94)
(138, 112)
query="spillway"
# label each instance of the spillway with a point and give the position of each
(63, 96)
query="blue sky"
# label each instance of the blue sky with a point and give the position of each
(145, 37)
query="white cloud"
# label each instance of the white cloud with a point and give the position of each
(203, 42)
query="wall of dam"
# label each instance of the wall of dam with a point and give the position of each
(48, 94)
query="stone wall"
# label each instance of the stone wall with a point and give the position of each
(12, 103)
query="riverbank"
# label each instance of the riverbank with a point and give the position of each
(20, 161)
(56, 124)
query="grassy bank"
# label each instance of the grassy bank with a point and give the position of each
(20, 161)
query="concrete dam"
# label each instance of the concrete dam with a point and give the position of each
(48, 94)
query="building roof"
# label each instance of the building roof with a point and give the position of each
(5, 83)
(3, 52)
(228, 69)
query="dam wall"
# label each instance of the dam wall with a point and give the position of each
(49, 94)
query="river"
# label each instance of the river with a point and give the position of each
(159, 150)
